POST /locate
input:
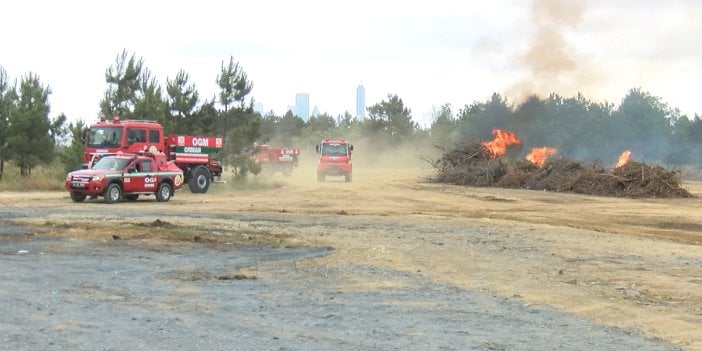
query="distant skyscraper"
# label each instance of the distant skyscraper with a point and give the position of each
(302, 106)
(361, 102)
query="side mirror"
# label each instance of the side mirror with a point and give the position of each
(131, 141)
(350, 147)
(316, 148)
(131, 170)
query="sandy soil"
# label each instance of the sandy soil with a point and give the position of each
(630, 264)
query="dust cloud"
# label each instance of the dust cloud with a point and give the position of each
(370, 156)
(373, 161)
(406, 155)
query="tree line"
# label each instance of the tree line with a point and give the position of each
(577, 127)
(585, 130)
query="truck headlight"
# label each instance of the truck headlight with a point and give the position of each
(97, 178)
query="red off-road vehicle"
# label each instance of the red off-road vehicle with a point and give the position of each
(126, 176)
(334, 159)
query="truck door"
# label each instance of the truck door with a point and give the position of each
(156, 139)
(140, 177)
(136, 139)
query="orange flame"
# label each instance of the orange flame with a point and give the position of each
(503, 139)
(623, 158)
(538, 155)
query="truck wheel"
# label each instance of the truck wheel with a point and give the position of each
(164, 192)
(78, 196)
(113, 193)
(131, 197)
(320, 177)
(347, 177)
(199, 180)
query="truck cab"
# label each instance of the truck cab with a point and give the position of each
(130, 136)
(127, 176)
(334, 159)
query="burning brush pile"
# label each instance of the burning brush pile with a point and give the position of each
(485, 164)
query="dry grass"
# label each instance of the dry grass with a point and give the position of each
(156, 229)
(43, 178)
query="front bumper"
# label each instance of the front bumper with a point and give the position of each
(334, 168)
(89, 187)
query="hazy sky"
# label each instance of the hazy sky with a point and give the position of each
(428, 53)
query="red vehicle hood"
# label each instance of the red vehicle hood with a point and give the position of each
(92, 172)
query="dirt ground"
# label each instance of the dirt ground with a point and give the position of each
(634, 265)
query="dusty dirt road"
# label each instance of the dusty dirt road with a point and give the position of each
(631, 265)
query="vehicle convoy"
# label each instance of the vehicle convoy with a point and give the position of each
(126, 176)
(276, 159)
(334, 159)
(195, 155)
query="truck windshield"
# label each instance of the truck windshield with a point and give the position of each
(105, 137)
(334, 149)
(111, 163)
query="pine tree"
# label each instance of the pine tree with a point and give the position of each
(7, 99)
(392, 119)
(30, 142)
(72, 155)
(237, 121)
(124, 80)
(182, 103)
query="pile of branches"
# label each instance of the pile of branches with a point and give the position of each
(474, 165)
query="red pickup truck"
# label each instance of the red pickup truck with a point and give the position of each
(126, 176)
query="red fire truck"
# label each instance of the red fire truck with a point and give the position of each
(195, 155)
(276, 159)
(334, 159)
(126, 176)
